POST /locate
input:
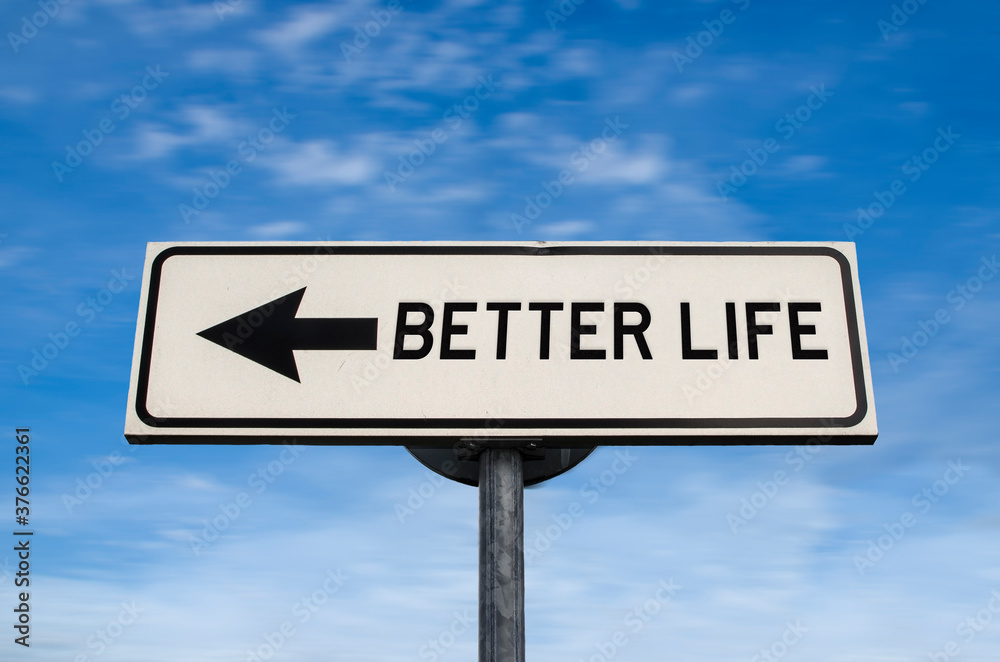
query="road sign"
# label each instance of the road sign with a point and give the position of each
(571, 344)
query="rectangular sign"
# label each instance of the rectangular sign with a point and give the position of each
(574, 344)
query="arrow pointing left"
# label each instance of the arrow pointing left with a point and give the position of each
(268, 334)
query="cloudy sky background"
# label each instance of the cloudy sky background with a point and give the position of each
(223, 70)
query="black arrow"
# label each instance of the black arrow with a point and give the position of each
(268, 334)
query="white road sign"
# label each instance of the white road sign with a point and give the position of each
(570, 343)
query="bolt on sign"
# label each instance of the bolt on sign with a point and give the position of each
(423, 344)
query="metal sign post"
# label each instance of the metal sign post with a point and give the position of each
(501, 555)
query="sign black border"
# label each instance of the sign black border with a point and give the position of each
(418, 424)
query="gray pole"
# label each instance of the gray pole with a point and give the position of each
(501, 556)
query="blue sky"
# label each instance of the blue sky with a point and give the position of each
(840, 97)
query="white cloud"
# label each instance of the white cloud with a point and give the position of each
(305, 25)
(278, 229)
(13, 255)
(578, 61)
(147, 20)
(232, 61)
(617, 166)
(319, 163)
(800, 167)
(565, 229)
(692, 93)
(206, 125)
(18, 94)
(914, 107)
